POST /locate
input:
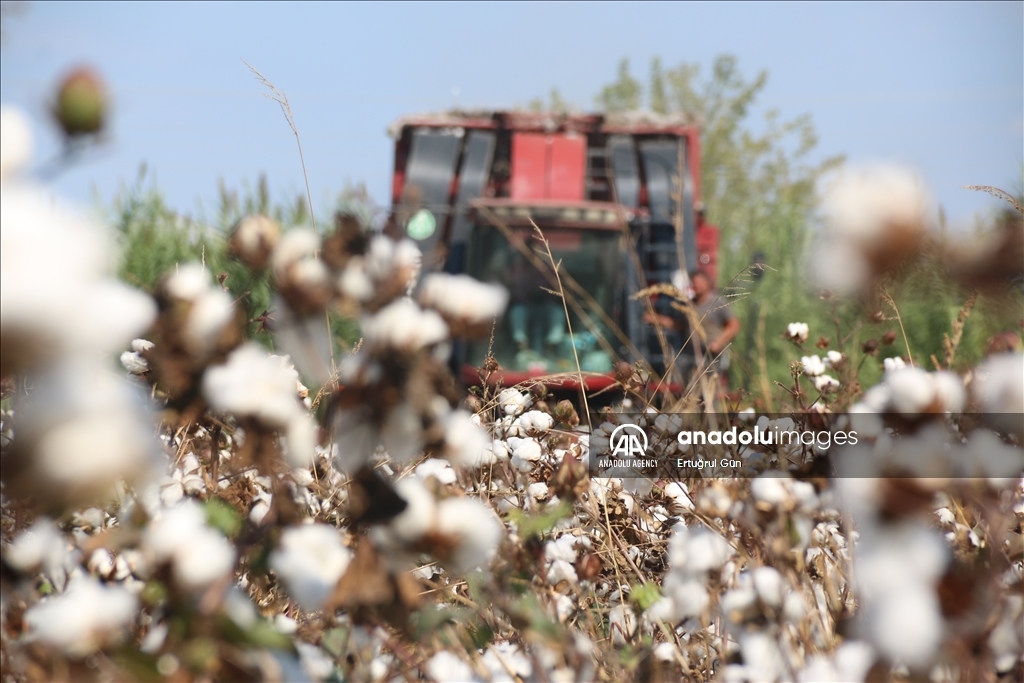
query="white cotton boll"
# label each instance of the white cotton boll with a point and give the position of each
(110, 314)
(559, 571)
(949, 391)
(300, 441)
(199, 555)
(445, 666)
(706, 550)
(793, 608)
(55, 292)
(838, 265)
(770, 490)
(206, 558)
(912, 390)
(537, 491)
(188, 282)
(285, 624)
(407, 255)
(761, 655)
(466, 444)
(679, 496)
(101, 563)
(211, 312)
(503, 656)
(142, 345)
(813, 365)
(103, 433)
(894, 363)
(945, 516)
(564, 548)
(310, 559)
(738, 602)
(798, 331)
(770, 586)
(404, 325)
(16, 145)
(526, 449)
(380, 257)
(689, 596)
(897, 557)
(833, 359)
(254, 384)
(260, 508)
(134, 363)
(906, 625)
(438, 469)
(474, 526)
(514, 402)
(621, 624)
(295, 245)
(354, 282)
(825, 383)
(865, 204)
(462, 297)
(534, 422)
(854, 659)
(997, 385)
(986, 455)
(41, 545)
(81, 619)
(420, 513)
(401, 434)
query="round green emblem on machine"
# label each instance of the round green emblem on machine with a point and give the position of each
(421, 225)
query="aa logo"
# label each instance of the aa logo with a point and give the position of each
(628, 441)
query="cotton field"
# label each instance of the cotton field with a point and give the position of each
(181, 503)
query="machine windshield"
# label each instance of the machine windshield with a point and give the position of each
(533, 336)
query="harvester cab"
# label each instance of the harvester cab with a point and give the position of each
(504, 196)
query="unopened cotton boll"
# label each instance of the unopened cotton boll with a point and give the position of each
(310, 559)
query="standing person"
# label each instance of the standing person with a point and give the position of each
(717, 325)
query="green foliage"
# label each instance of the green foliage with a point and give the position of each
(540, 523)
(624, 94)
(155, 239)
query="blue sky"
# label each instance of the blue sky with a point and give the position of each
(938, 86)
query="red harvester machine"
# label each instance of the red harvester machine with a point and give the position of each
(469, 187)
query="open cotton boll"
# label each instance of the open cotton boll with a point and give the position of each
(474, 528)
(438, 469)
(894, 363)
(198, 555)
(697, 551)
(906, 625)
(462, 297)
(56, 292)
(770, 586)
(295, 245)
(42, 545)
(310, 559)
(445, 666)
(405, 326)
(513, 402)
(813, 365)
(466, 444)
(798, 332)
(621, 624)
(81, 619)
(534, 422)
(254, 384)
(997, 385)
(912, 390)
(825, 383)
(211, 312)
